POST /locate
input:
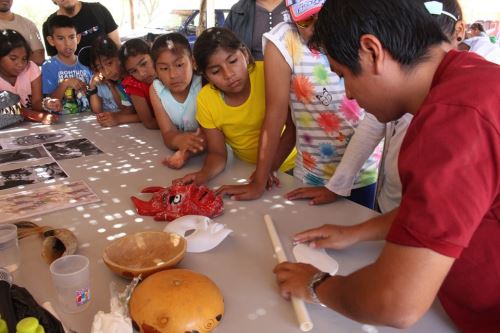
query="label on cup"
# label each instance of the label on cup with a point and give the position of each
(82, 296)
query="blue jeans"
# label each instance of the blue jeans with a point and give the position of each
(364, 195)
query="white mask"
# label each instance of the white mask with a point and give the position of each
(207, 234)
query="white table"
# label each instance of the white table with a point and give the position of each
(241, 265)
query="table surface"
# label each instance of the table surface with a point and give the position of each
(241, 265)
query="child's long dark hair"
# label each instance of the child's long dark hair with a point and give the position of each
(103, 46)
(11, 39)
(132, 48)
(173, 42)
(214, 38)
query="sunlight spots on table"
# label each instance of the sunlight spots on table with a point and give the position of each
(242, 181)
(92, 222)
(116, 236)
(80, 209)
(139, 220)
(84, 245)
(277, 206)
(93, 179)
(151, 166)
(261, 312)
(130, 212)
(118, 225)
(369, 329)
(290, 203)
(87, 216)
(233, 210)
(109, 218)
(105, 191)
(252, 316)
(108, 164)
(101, 230)
(106, 170)
(117, 216)
(267, 201)
(242, 208)
(73, 201)
(123, 185)
(276, 196)
(149, 180)
(116, 200)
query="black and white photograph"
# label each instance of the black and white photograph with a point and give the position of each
(72, 149)
(33, 140)
(31, 175)
(21, 155)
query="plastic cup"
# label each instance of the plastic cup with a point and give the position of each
(71, 278)
(10, 256)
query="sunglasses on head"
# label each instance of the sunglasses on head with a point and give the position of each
(307, 22)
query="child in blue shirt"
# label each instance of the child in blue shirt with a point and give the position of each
(173, 96)
(63, 77)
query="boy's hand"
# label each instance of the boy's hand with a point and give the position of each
(75, 84)
(241, 192)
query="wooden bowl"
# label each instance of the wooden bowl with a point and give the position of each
(144, 253)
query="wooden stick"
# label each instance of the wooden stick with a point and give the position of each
(303, 318)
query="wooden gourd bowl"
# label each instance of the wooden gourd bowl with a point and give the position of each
(144, 253)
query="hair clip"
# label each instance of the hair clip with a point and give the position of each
(436, 8)
(170, 44)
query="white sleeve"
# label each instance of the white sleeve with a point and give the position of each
(366, 137)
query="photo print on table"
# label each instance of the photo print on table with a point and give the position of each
(21, 155)
(72, 149)
(31, 175)
(33, 140)
(24, 204)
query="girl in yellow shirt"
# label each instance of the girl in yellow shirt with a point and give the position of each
(231, 108)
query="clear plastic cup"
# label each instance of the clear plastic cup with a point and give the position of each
(10, 257)
(71, 278)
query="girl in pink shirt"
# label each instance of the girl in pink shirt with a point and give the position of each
(22, 77)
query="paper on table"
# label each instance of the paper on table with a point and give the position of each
(316, 257)
(20, 205)
(305, 322)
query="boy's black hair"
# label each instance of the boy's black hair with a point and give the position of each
(214, 38)
(59, 21)
(173, 42)
(404, 27)
(132, 48)
(11, 39)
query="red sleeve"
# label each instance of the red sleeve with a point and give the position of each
(449, 164)
(133, 87)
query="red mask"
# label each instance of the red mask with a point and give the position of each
(175, 201)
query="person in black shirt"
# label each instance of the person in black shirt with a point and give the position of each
(91, 20)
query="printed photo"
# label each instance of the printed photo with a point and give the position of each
(33, 140)
(21, 205)
(21, 155)
(72, 149)
(31, 175)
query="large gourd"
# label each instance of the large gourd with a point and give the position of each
(176, 301)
